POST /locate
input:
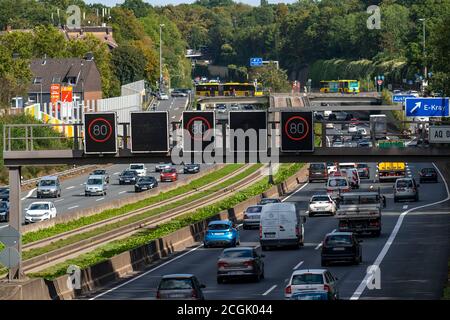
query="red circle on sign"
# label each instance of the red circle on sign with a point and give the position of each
(188, 126)
(109, 130)
(287, 131)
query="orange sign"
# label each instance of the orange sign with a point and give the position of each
(55, 90)
(66, 94)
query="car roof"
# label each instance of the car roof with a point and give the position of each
(178, 275)
(280, 206)
(303, 271)
(238, 248)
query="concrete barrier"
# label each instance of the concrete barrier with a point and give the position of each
(113, 204)
(113, 269)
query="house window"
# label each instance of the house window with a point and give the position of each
(56, 79)
(37, 80)
(71, 80)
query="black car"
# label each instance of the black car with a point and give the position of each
(428, 174)
(4, 211)
(4, 194)
(191, 168)
(341, 247)
(145, 183)
(128, 177)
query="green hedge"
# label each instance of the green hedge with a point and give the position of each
(141, 238)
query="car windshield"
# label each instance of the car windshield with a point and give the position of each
(136, 166)
(192, 165)
(237, 254)
(169, 170)
(337, 182)
(39, 206)
(307, 278)
(3, 205)
(219, 226)
(428, 170)
(404, 184)
(94, 181)
(99, 172)
(47, 183)
(362, 165)
(147, 179)
(338, 239)
(175, 284)
(253, 210)
(317, 166)
(320, 198)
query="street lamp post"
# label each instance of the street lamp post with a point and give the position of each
(160, 57)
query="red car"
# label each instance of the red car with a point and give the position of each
(169, 174)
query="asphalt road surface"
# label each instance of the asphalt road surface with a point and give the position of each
(411, 254)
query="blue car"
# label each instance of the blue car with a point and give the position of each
(221, 233)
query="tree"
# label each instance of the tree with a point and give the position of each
(128, 64)
(271, 78)
(138, 7)
(48, 41)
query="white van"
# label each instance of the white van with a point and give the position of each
(281, 225)
(336, 185)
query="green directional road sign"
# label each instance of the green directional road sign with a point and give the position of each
(387, 144)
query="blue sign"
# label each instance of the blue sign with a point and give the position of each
(256, 62)
(427, 107)
(400, 98)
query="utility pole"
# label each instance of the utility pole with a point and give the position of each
(425, 71)
(160, 58)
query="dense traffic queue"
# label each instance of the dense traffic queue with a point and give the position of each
(280, 224)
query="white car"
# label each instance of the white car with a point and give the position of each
(139, 168)
(312, 279)
(162, 96)
(331, 167)
(352, 128)
(320, 204)
(329, 126)
(40, 211)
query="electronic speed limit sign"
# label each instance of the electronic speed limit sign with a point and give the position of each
(297, 131)
(198, 130)
(100, 133)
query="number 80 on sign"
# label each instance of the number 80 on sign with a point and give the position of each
(297, 134)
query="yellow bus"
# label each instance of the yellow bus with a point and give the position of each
(207, 89)
(229, 89)
(343, 86)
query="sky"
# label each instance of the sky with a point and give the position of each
(112, 3)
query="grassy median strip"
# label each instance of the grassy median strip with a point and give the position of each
(84, 221)
(103, 229)
(140, 238)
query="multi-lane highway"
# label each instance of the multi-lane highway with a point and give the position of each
(72, 190)
(411, 253)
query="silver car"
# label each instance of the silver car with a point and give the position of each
(406, 188)
(96, 185)
(252, 216)
(48, 187)
(242, 262)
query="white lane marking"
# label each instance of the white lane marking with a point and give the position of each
(29, 194)
(145, 273)
(405, 207)
(81, 184)
(318, 246)
(362, 286)
(299, 189)
(71, 187)
(122, 191)
(298, 265)
(270, 289)
(100, 199)
(116, 173)
(334, 230)
(59, 200)
(70, 208)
